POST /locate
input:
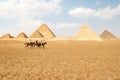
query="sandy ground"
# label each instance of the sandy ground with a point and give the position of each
(60, 60)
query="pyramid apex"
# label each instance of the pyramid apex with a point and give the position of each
(22, 33)
(84, 26)
(44, 24)
(106, 30)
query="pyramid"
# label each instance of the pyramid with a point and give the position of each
(85, 33)
(7, 36)
(45, 31)
(22, 35)
(107, 35)
(36, 34)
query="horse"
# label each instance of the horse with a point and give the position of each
(32, 44)
(41, 44)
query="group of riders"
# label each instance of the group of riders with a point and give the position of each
(35, 43)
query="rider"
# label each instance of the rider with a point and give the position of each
(40, 41)
(30, 41)
(36, 41)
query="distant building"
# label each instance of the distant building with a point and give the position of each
(43, 31)
(7, 35)
(107, 35)
(85, 33)
(22, 35)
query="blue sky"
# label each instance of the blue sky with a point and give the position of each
(64, 17)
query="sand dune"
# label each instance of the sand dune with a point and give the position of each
(60, 60)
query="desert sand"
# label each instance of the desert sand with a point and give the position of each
(60, 60)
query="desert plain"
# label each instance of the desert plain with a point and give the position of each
(60, 60)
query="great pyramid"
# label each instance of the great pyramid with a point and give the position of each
(22, 35)
(107, 35)
(45, 31)
(7, 35)
(85, 33)
(36, 34)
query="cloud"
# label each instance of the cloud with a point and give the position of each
(27, 14)
(81, 12)
(105, 13)
(28, 8)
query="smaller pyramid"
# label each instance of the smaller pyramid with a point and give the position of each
(36, 34)
(7, 36)
(85, 33)
(46, 31)
(107, 35)
(22, 35)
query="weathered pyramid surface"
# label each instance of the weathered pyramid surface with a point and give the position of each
(107, 35)
(36, 34)
(22, 35)
(7, 36)
(85, 33)
(46, 31)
